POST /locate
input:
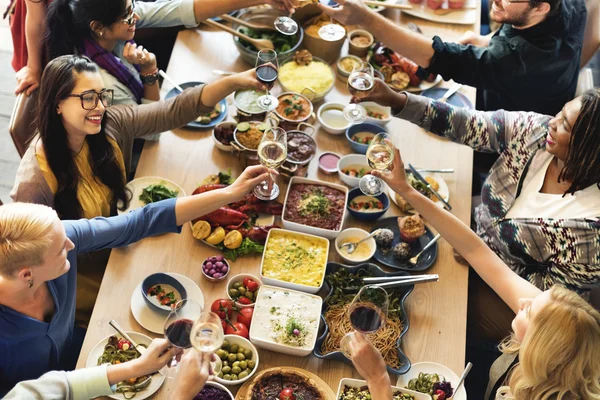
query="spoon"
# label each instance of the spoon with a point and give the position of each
(414, 260)
(252, 25)
(462, 379)
(352, 246)
(258, 43)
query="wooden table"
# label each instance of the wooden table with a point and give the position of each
(437, 312)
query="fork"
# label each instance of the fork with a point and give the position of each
(414, 260)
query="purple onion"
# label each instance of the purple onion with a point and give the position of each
(224, 269)
(217, 275)
(219, 264)
(211, 272)
(296, 332)
(219, 258)
(209, 265)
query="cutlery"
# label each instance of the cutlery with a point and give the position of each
(352, 246)
(252, 25)
(385, 279)
(453, 89)
(414, 27)
(139, 349)
(260, 44)
(435, 193)
(171, 81)
(397, 6)
(414, 260)
(444, 11)
(462, 379)
(441, 171)
(223, 73)
(408, 282)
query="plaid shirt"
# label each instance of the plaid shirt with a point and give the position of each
(545, 251)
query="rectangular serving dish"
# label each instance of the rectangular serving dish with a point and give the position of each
(291, 285)
(295, 226)
(357, 383)
(264, 306)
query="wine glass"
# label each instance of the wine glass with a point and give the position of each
(380, 156)
(207, 333)
(266, 72)
(360, 83)
(272, 152)
(178, 327)
(367, 313)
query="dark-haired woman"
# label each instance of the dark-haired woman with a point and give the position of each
(104, 32)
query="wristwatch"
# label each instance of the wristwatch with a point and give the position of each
(149, 78)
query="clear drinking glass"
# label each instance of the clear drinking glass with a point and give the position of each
(380, 156)
(266, 72)
(178, 327)
(207, 333)
(367, 313)
(272, 152)
(360, 83)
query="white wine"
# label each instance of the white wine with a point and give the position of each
(272, 154)
(380, 156)
(360, 84)
(206, 337)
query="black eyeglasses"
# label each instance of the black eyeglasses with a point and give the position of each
(89, 100)
(131, 18)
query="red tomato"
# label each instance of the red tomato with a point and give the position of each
(224, 324)
(287, 394)
(223, 308)
(245, 282)
(245, 316)
(244, 300)
(237, 329)
(252, 285)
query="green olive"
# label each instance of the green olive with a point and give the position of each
(232, 357)
(242, 290)
(247, 354)
(225, 345)
(236, 370)
(227, 377)
(243, 375)
(241, 350)
(251, 364)
(234, 377)
(237, 285)
(220, 375)
(222, 354)
(249, 295)
(236, 364)
(234, 293)
(240, 357)
(243, 364)
(226, 370)
(234, 348)
(225, 363)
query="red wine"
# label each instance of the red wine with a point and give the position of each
(366, 318)
(266, 74)
(178, 333)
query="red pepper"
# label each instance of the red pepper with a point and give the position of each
(124, 344)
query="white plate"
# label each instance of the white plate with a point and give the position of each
(433, 368)
(467, 16)
(424, 85)
(380, 9)
(137, 186)
(443, 190)
(157, 379)
(153, 320)
(357, 383)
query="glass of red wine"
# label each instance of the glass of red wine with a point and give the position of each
(367, 313)
(178, 328)
(266, 73)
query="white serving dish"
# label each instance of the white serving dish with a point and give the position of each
(346, 161)
(223, 388)
(433, 368)
(380, 109)
(357, 383)
(242, 342)
(220, 145)
(443, 191)
(359, 234)
(311, 230)
(331, 129)
(291, 285)
(307, 305)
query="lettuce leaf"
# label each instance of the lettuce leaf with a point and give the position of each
(247, 247)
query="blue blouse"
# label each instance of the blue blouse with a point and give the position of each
(30, 348)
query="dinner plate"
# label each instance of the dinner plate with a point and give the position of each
(386, 257)
(194, 124)
(157, 379)
(461, 17)
(153, 320)
(457, 99)
(443, 191)
(136, 187)
(433, 368)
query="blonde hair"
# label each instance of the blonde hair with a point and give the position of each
(25, 235)
(558, 357)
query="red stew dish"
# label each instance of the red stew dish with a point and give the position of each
(319, 206)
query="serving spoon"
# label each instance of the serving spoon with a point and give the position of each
(258, 43)
(352, 246)
(462, 379)
(252, 25)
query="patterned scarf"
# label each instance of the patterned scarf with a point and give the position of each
(114, 66)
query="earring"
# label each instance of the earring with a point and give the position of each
(30, 283)
(101, 33)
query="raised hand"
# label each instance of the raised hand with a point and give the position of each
(138, 55)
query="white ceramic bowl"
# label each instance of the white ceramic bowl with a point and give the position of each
(310, 310)
(245, 343)
(218, 144)
(358, 234)
(328, 128)
(346, 161)
(433, 368)
(223, 388)
(311, 230)
(240, 278)
(371, 105)
(357, 383)
(291, 285)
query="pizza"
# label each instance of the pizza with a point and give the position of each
(293, 385)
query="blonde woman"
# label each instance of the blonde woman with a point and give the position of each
(38, 269)
(553, 350)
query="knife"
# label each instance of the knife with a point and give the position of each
(439, 171)
(435, 193)
(139, 349)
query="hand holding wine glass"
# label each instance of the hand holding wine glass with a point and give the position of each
(178, 327)
(272, 152)
(360, 84)
(380, 157)
(287, 25)
(207, 333)
(266, 72)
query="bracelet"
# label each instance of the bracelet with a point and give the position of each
(154, 72)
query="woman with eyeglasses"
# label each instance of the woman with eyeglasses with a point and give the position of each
(104, 32)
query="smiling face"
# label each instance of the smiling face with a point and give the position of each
(560, 128)
(514, 13)
(55, 262)
(120, 30)
(528, 309)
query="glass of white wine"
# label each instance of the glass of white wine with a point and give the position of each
(272, 152)
(207, 333)
(360, 84)
(380, 156)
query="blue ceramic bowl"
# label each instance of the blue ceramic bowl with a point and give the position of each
(364, 127)
(161, 279)
(367, 216)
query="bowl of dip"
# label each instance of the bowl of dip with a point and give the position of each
(363, 252)
(345, 65)
(360, 135)
(367, 208)
(248, 109)
(351, 168)
(360, 41)
(161, 292)
(328, 163)
(331, 117)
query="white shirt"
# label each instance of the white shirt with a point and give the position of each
(533, 204)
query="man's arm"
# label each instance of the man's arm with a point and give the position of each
(28, 78)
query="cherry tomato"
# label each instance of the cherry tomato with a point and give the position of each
(244, 300)
(245, 316)
(287, 394)
(223, 308)
(237, 329)
(252, 285)
(245, 282)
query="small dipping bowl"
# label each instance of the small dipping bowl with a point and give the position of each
(161, 279)
(220, 145)
(352, 160)
(361, 148)
(367, 215)
(222, 275)
(240, 278)
(342, 72)
(362, 49)
(358, 234)
(331, 117)
(328, 163)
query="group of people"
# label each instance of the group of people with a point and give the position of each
(534, 243)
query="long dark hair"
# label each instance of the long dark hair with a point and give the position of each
(58, 80)
(582, 166)
(68, 22)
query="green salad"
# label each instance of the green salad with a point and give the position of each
(281, 42)
(154, 193)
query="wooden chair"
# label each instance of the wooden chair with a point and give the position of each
(591, 36)
(20, 125)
